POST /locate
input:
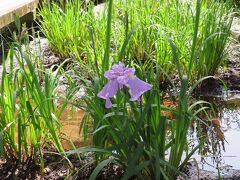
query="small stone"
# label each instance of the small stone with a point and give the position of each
(47, 170)
(16, 172)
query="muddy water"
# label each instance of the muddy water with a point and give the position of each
(71, 120)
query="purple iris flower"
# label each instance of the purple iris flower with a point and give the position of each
(118, 77)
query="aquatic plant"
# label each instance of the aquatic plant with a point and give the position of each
(137, 135)
(29, 115)
(69, 33)
(152, 22)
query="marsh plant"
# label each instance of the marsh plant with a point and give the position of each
(151, 23)
(124, 108)
(131, 49)
(69, 35)
(29, 115)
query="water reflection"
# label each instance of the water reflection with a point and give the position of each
(220, 137)
(230, 119)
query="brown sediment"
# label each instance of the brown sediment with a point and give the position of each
(169, 104)
(216, 122)
(70, 131)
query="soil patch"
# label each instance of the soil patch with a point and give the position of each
(56, 168)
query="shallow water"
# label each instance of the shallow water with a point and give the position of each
(71, 120)
(227, 155)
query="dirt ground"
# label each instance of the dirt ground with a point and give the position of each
(55, 168)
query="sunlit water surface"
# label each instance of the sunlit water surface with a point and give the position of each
(228, 154)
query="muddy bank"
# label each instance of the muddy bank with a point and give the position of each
(56, 168)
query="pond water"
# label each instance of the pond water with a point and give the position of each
(227, 142)
(71, 120)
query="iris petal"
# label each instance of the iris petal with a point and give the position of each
(108, 91)
(118, 77)
(108, 103)
(137, 87)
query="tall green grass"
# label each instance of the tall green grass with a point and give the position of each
(69, 35)
(138, 135)
(153, 23)
(175, 19)
(215, 29)
(29, 115)
(159, 39)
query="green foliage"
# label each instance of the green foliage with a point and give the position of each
(67, 30)
(156, 38)
(28, 115)
(155, 22)
(215, 29)
(138, 135)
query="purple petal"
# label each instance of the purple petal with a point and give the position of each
(108, 91)
(123, 79)
(110, 75)
(129, 71)
(127, 74)
(118, 67)
(120, 72)
(137, 87)
(118, 77)
(108, 103)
